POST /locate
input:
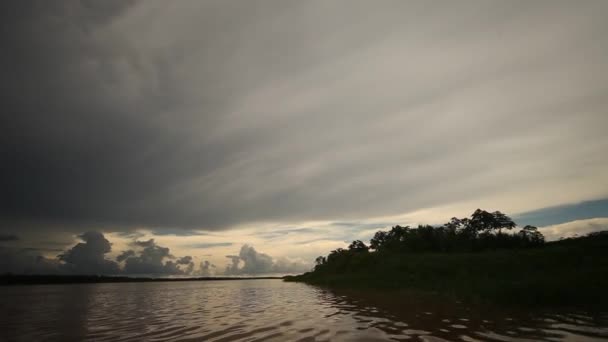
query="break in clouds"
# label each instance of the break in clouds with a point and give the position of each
(146, 258)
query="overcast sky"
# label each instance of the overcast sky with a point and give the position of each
(274, 131)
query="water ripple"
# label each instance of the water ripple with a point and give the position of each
(266, 310)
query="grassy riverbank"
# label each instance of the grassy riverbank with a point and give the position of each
(567, 272)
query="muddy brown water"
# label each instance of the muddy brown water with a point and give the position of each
(269, 310)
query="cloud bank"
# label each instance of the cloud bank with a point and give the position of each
(146, 258)
(251, 262)
(207, 115)
(152, 259)
(91, 256)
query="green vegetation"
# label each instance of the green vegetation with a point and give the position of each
(474, 259)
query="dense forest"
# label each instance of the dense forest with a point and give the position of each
(482, 231)
(485, 257)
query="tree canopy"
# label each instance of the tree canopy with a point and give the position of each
(482, 231)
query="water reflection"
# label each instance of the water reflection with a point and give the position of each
(269, 310)
(405, 316)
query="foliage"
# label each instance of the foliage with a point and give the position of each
(483, 231)
(475, 258)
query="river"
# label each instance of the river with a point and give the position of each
(267, 310)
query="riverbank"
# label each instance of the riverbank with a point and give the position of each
(571, 272)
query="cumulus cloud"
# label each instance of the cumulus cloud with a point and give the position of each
(152, 259)
(233, 266)
(124, 255)
(206, 269)
(91, 257)
(88, 257)
(255, 263)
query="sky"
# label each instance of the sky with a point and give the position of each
(248, 137)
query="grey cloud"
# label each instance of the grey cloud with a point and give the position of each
(283, 232)
(208, 244)
(134, 235)
(187, 261)
(304, 242)
(36, 249)
(255, 263)
(233, 267)
(184, 260)
(206, 269)
(124, 255)
(153, 259)
(24, 262)
(8, 237)
(177, 231)
(284, 265)
(148, 243)
(194, 114)
(88, 257)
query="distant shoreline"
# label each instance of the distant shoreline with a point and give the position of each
(571, 272)
(15, 279)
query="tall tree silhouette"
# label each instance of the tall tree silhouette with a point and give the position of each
(358, 246)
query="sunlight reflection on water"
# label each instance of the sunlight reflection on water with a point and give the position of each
(268, 310)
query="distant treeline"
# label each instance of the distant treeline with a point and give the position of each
(480, 258)
(482, 231)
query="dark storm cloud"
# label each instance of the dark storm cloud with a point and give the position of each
(79, 146)
(25, 262)
(38, 250)
(88, 257)
(254, 262)
(193, 114)
(91, 257)
(8, 237)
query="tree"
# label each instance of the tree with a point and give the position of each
(481, 222)
(358, 246)
(482, 231)
(379, 240)
(486, 222)
(531, 235)
(320, 260)
(502, 221)
(453, 226)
